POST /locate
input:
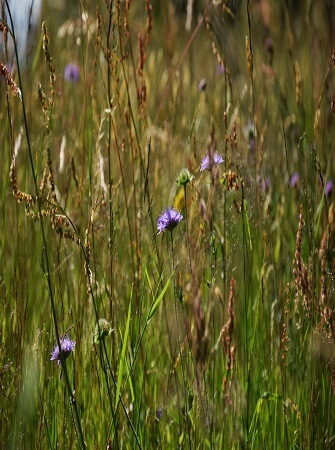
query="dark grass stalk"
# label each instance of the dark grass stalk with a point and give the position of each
(136, 230)
(246, 358)
(182, 362)
(110, 204)
(212, 258)
(46, 264)
(286, 152)
(251, 77)
(188, 244)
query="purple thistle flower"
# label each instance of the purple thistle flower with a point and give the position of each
(67, 346)
(168, 220)
(329, 188)
(71, 73)
(207, 162)
(294, 179)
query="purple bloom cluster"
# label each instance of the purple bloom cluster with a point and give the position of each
(168, 220)
(207, 161)
(72, 73)
(67, 346)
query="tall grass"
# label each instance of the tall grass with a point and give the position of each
(220, 333)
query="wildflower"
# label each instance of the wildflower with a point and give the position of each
(329, 188)
(66, 347)
(184, 177)
(207, 161)
(168, 220)
(294, 179)
(71, 73)
(102, 330)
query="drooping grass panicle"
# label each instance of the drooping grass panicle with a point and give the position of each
(13, 87)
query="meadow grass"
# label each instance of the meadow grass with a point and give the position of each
(216, 330)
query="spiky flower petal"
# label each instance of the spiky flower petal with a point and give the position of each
(208, 161)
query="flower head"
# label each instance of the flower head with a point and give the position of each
(168, 220)
(207, 162)
(66, 347)
(184, 177)
(329, 188)
(71, 73)
(102, 330)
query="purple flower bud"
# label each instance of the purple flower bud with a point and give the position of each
(329, 188)
(72, 73)
(294, 179)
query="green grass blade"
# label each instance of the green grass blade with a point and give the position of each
(122, 358)
(156, 303)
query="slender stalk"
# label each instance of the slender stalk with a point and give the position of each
(187, 234)
(186, 406)
(109, 145)
(246, 332)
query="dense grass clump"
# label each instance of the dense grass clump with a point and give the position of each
(167, 228)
